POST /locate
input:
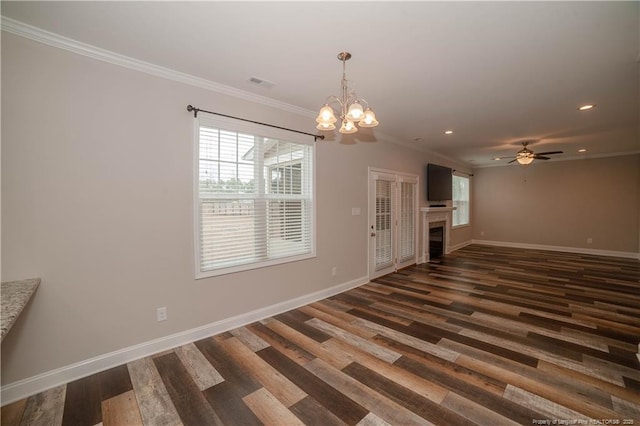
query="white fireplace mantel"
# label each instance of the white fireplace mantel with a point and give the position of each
(436, 214)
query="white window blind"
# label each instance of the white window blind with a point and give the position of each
(460, 200)
(384, 223)
(254, 199)
(407, 231)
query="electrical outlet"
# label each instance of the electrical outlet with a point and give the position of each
(482, 233)
(589, 240)
(334, 271)
(161, 313)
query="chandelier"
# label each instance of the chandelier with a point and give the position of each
(351, 110)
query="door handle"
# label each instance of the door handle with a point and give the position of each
(373, 234)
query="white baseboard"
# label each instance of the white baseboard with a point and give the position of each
(21, 389)
(461, 245)
(580, 250)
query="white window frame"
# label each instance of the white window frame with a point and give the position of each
(257, 130)
(453, 202)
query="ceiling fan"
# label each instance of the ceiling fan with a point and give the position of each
(526, 156)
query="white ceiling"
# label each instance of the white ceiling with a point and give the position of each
(496, 73)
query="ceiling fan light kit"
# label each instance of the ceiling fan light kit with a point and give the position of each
(526, 156)
(351, 110)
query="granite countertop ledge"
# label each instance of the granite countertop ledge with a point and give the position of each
(15, 295)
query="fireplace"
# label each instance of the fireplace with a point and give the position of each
(436, 242)
(439, 242)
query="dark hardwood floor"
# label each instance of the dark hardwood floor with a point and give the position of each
(485, 335)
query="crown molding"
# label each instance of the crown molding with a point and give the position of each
(433, 155)
(39, 35)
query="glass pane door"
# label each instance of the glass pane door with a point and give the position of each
(393, 202)
(384, 224)
(407, 224)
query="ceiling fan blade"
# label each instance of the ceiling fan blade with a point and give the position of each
(550, 153)
(539, 157)
(512, 161)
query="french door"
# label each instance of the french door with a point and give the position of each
(393, 221)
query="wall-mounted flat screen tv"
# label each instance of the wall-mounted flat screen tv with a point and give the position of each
(439, 185)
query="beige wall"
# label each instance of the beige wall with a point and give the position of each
(561, 203)
(97, 201)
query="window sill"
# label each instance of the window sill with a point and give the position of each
(254, 265)
(466, 225)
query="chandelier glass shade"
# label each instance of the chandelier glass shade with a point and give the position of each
(326, 118)
(351, 110)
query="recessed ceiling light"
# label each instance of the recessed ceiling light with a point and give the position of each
(417, 139)
(497, 158)
(582, 150)
(448, 132)
(586, 107)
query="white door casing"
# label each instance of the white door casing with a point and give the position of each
(393, 221)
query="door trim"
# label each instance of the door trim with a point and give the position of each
(396, 177)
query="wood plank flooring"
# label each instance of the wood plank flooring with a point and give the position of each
(485, 335)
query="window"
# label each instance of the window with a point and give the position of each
(254, 198)
(460, 200)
